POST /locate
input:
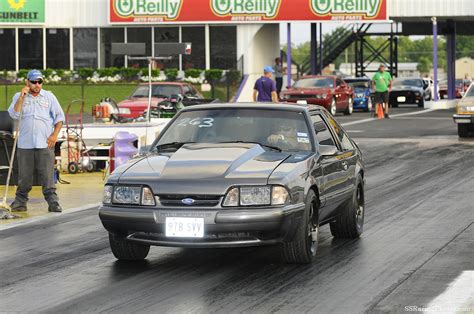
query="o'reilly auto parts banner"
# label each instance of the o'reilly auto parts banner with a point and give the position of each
(237, 11)
(21, 11)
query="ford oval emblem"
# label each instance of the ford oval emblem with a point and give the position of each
(187, 201)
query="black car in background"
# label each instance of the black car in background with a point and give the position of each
(409, 90)
(234, 175)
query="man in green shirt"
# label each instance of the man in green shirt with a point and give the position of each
(382, 83)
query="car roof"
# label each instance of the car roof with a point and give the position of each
(319, 76)
(274, 106)
(166, 83)
(356, 79)
(409, 78)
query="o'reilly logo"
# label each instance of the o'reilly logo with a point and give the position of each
(167, 8)
(267, 8)
(369, 8)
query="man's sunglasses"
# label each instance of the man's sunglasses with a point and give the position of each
(37, 82)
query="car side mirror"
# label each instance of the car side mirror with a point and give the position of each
(144, 150)
(327, 150)
(319, 126)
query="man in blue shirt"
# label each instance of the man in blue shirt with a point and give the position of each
(41, 120)
(265, 88)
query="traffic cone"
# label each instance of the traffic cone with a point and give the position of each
(380, 114)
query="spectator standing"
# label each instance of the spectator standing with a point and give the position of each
(41, 120)
(382, 83)
(278, 75)
(264, 89)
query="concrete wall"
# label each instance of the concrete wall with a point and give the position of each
(260, 45)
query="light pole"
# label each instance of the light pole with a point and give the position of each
(435, 58)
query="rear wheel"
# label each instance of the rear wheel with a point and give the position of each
(333, 108)
(463, 130)
(127, 251)
(350, 223)
(350, 107)
(303, 247)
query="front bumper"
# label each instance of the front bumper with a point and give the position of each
(360, 103)
(464, 118)
(222, 227)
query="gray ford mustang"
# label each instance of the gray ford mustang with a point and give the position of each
(235, 175)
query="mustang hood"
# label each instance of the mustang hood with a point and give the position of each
(204, 168)
(310, 91)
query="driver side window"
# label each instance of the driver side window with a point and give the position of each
(323, 134)
(188, 91)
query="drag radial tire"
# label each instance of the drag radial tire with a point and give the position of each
(350, 223)
(350, 107)
(128, 251)
(463, 130)
(303, 247)
(333, 107)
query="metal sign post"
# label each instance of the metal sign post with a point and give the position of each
(164, 51)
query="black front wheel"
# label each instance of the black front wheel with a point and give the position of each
(350, 223)
(463, 129)
(303, 247)
(126, 250)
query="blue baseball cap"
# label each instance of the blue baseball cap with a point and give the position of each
(34, 75)
(268, 69)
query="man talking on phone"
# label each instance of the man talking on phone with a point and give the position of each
(41, 120)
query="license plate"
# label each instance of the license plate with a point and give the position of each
(401, 98)
(183, 227)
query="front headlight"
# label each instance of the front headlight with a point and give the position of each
(256, 196)
(107, 198)
(464, 109)
(148, 199)
(127, 195)
(124, 110)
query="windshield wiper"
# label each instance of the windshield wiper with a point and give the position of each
(263, 145)
(176, 145)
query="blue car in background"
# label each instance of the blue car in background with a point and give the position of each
(361, 87)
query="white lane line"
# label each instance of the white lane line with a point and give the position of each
(355, 131)
(392, 116)
(457, 298)
(26, 221)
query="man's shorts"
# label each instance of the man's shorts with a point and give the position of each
(381, 97)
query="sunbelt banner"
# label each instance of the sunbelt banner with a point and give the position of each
(245, 11)
(21, 11)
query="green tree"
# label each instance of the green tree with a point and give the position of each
(424, 65)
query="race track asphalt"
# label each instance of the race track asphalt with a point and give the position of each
(417, 243)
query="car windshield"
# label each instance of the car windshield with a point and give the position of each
(315, 82)
(284, 130)
(161, 91)
(470, 91)
(408, 82)
(358, 84)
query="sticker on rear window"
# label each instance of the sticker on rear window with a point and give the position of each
(303, 140)
(302, 134)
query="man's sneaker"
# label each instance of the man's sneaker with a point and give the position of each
(387, 116)
(18, 207)
(55, 208)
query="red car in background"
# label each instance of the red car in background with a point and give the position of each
(331, 92)
(461, 88)
(137, 103)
